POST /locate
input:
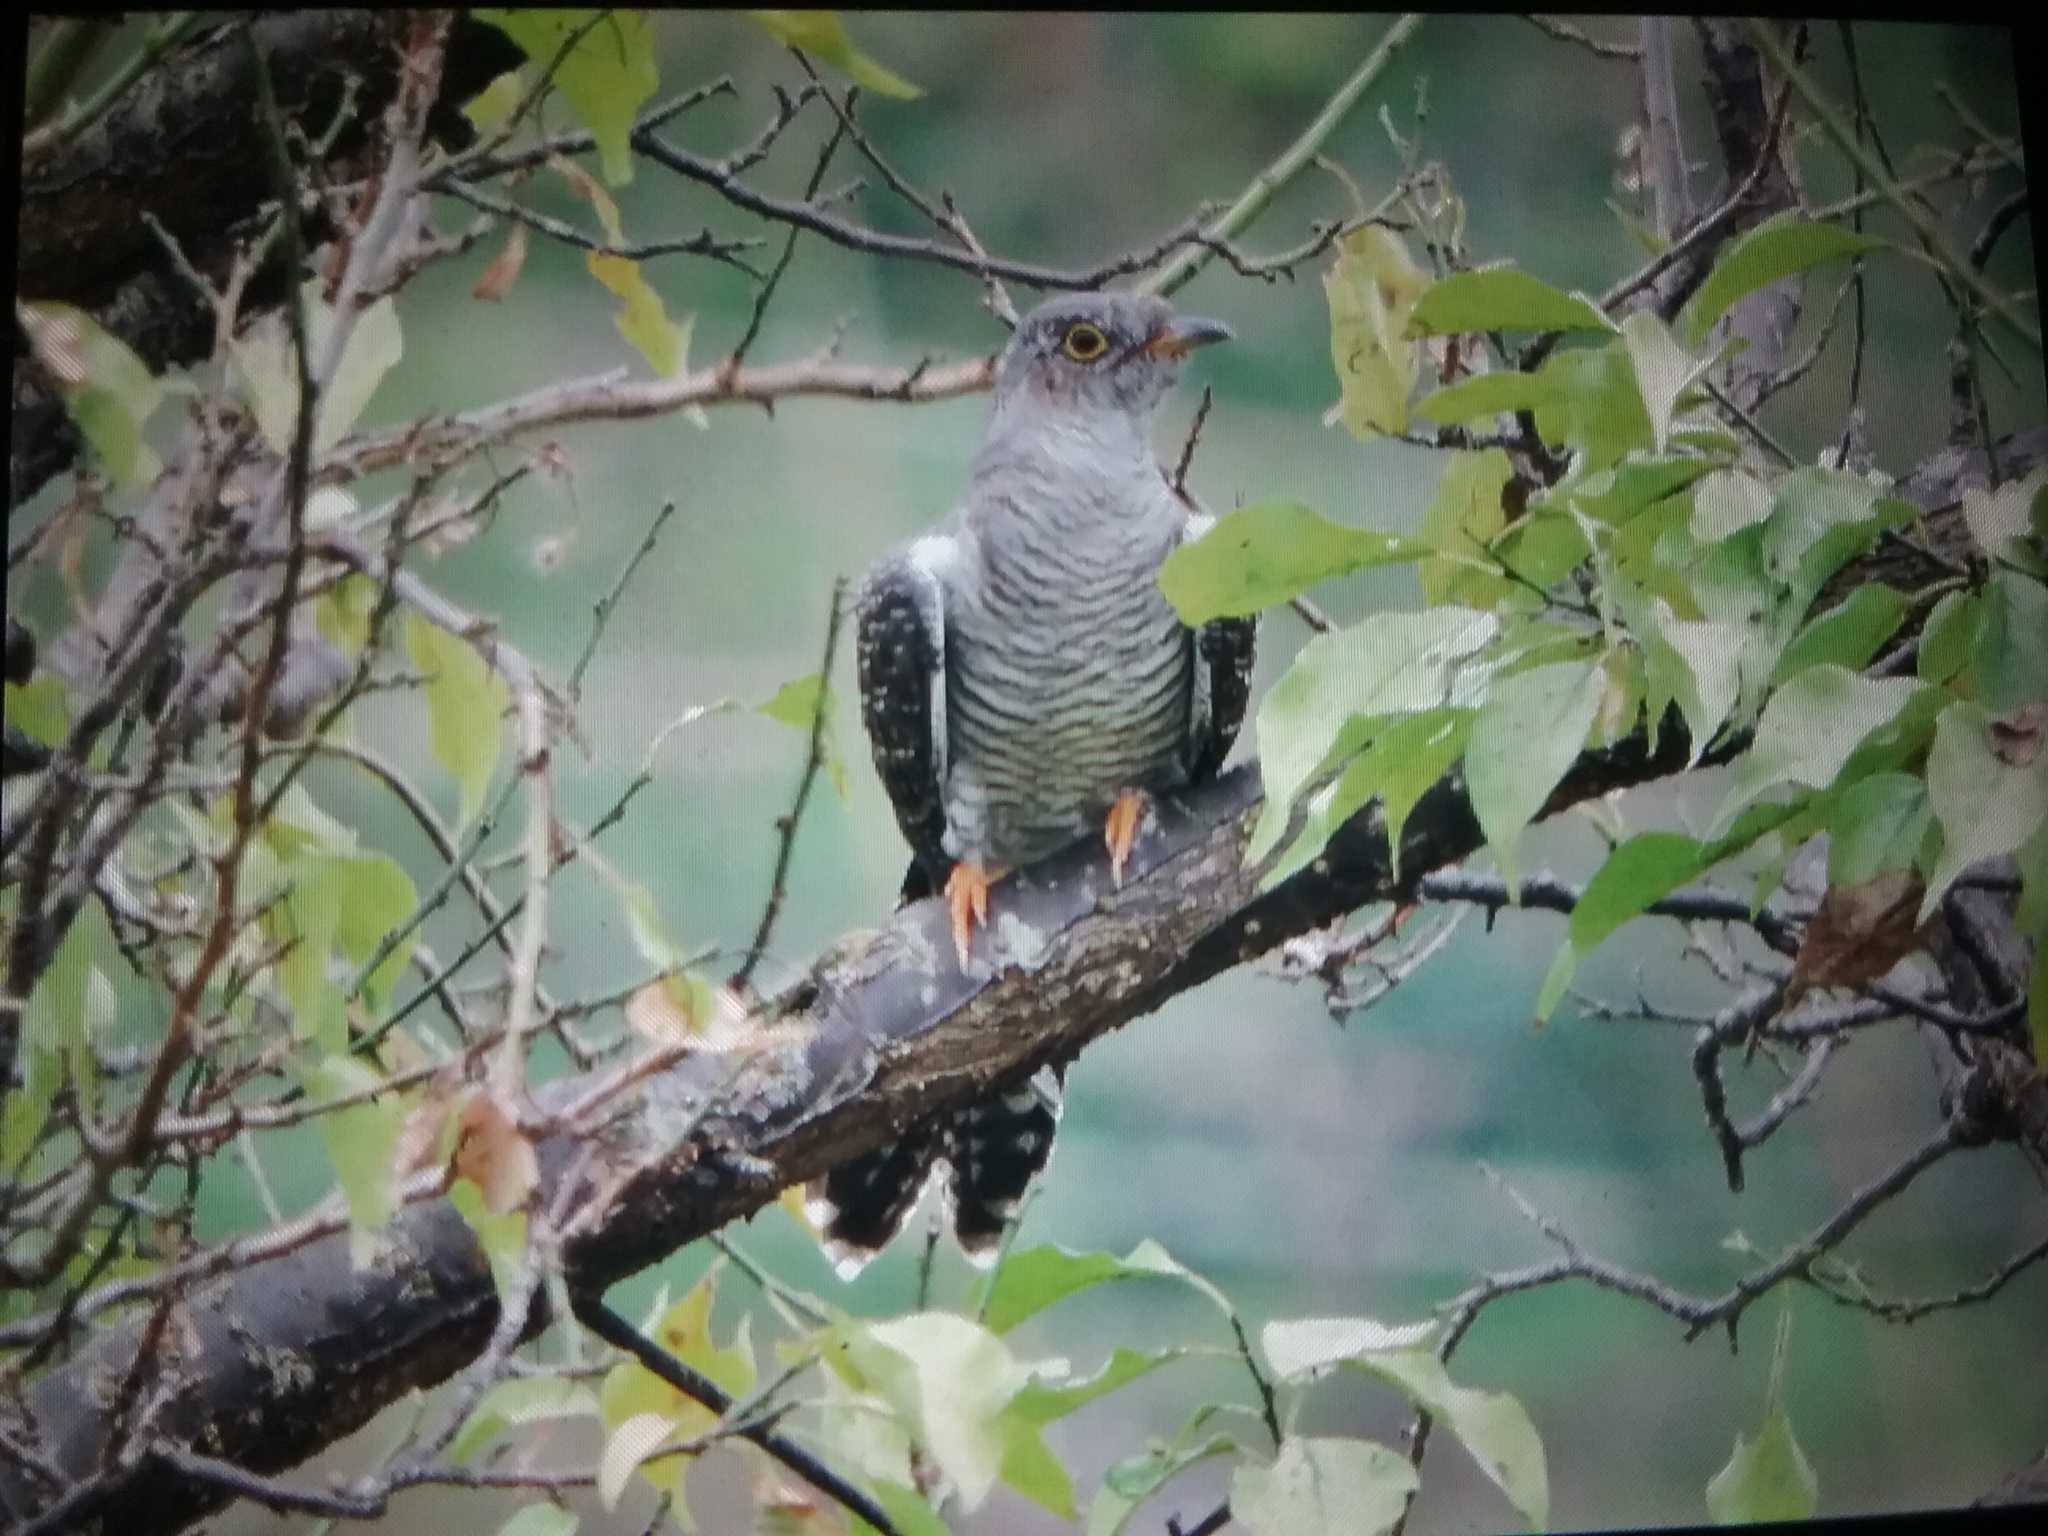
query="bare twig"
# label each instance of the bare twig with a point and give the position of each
(785, 826)
(1565, 32)
(1253, 200)
(1187, 452)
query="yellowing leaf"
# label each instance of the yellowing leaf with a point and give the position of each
(494, 1154)
(644, 1412)
(1372, 289)
(822, 35)
(37, 708)
(108, 391)
(503, 272)
(642, 320)
(490, 106)
(465, 702)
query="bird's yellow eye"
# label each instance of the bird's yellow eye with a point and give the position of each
(1083, 342)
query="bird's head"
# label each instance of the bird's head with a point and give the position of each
(1099, 352)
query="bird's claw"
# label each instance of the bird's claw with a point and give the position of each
(967, 903)
(1121, 831)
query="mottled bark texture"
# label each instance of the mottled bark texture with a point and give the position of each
(181, 146)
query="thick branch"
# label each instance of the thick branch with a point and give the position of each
(286, 1356)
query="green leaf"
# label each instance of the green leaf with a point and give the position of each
(1031, 1468)
(1986, 805)
(1664, 370)
(1323, 1486)
(376, 896)
(1302, 1347)
(822, 35)
(1502, 299)
(1820, 520)
(343, 613)
(950, 1379)
(1491, 1425)
(796, 704)
(1726, 502)
(107, 390)
(71, 1001)
(1267, 553)
(2009, 657)
(1486, 394)
(541, 1518)
(1127, 1484)
(1462, 521)
(465, 702)
(1596, 407)
(1768, 1478)
(1026, 1283)
(519, 1401)
(1043, 1401)
(906, 1509)
(1399, 766)
(501, 1234)
(1776, 248)
(262, 366)
(1848, 634)
(1388, 665)
(1641, 871)
(1810, 727)
(1998, 520)
(605, 77)
(1877, 824)
(1529, 731)
(1949, 636)
(361, 1140)
(39, 709)
(306, 920)
(1372, 288)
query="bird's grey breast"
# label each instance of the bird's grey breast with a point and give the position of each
(1067, 669)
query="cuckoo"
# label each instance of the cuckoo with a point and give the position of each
(1024, 682)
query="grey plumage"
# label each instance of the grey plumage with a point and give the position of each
(1019, 668)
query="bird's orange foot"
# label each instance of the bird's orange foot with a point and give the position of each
(967, 901)
(1121, 830)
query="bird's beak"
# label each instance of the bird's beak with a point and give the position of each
(1180, 336)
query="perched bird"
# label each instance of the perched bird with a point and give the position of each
(1024, 681)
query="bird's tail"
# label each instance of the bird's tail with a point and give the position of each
(985, 1157)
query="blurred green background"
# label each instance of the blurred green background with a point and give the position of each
(1305, 1168)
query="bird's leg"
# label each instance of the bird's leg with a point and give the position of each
(1121, 830)
(967, 901)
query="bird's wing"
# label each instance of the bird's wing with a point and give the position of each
(901, 638)
(1222, 681)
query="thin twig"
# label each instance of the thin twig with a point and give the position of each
(785, 826)
(774, 280)
(1187, 452)
(1253, 200)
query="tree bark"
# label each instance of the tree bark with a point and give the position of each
(181, 146)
